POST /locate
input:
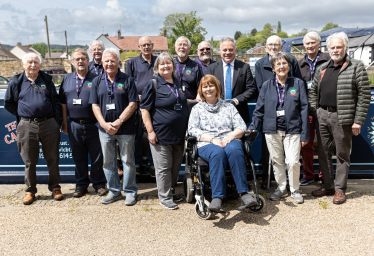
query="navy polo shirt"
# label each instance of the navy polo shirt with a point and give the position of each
(204, 68)
(190, 75)
(34, 101)
(169, 125)
(124, 92)
(141, 71)
(68, 92)
(96, 69)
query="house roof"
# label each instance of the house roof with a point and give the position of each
(131, 42)
(366, 40)
(7, 53)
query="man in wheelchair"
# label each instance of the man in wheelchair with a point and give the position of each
(218, 129)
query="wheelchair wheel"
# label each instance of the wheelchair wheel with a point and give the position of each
(188, 188)
(203, 215)
(260, 207)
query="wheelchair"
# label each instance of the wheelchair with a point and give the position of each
(196, 182)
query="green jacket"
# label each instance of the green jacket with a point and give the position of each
(353, 92)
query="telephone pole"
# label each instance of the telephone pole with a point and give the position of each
(46, 25)
(66, 42)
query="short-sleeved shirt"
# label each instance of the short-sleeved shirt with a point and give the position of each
(124, 92)
(204, 68)
(170, 125)
(96, 69)
(34, 100)
(141, 71)
(68, 92)
(189, 77)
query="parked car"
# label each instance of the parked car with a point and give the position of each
(3, 80)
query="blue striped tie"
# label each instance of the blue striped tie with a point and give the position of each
(228, 91)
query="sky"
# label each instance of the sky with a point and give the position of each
(23, 21)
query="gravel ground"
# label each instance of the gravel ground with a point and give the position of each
(85, 227)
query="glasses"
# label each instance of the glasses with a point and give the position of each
(182, 45)
(97, 49)
(145, 45)
(280, 64)
(80, 59)
(273, 45)
(36, 88)
(206, 49)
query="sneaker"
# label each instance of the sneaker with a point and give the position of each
(297, 197)
(177, 198)
(215, 205)
(278, 194)
(248, 200)
(169, 205)
(305, 181)
(111, 198)
(130, 200)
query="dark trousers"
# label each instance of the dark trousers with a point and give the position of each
(84, 141)
(331, 131)
(139, 147)
(29, 134)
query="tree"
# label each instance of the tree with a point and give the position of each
(253, 32)
(237, 35)
(330, 25)
(246, 41)
(303, 32)
(41, 48)
(282, 34)
(182, 24)
(279, 28)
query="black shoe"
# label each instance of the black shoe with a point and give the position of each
(79, 192)
(177, 198)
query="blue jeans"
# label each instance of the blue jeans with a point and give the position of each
(218, 159)
(126, 144)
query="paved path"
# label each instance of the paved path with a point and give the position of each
(86, 227)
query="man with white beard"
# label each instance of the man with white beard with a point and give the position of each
(204, 51)
(188, 72)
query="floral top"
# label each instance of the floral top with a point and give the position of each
(218, 120)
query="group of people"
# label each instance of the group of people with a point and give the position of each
(104, 110)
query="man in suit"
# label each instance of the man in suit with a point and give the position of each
(235, 78)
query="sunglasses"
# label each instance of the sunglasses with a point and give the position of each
(36, 88)
(202, 49)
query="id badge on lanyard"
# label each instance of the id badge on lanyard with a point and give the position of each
(280, 112)
(77, 101)
(110, 106)
(309, 84)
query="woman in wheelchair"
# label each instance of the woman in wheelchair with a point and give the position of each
(283, 107)
(218, 127)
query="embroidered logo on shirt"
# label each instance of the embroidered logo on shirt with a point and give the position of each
(43, 87)
(188, 72)
(292, 91)
(119, 86)
(89, 85)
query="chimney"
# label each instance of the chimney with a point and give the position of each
(119, 34)
(19, 44)
(165, 33)
(106, 34)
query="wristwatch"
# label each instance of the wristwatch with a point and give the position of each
(211, 140)
(120, 119)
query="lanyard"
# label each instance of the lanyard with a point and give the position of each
(202, 65)
(96, 72)
(179, 74)
(176, 94)
(312, 66)
(77, 86)
(280, 96)
(110, 89)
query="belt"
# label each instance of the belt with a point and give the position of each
(36, 119)
(83, 121)
(329, 109)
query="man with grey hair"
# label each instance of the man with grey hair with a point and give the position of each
(141, 69)
(204, 52)
(264, 72)
(31, 96)
(83, 134)
(312, 60)
(340, 99)
(235, 78)
(189, 72)
(96, 50)
(114, 99)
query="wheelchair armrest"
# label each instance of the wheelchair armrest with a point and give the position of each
(191, 139)
(252, 135)
(192, 146)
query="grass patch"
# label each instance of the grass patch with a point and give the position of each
(323, 204)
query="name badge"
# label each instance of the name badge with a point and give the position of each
(183, 88)
(309, 84)
(77, 101)
(177, 106)
(280, 112)
(110, 106)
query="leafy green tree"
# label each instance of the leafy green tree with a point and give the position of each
(216, 44)
(237, 35)
(330, 25)
(303, 32)
(279, 28)
(246, 41)
(41, 48)
(182, 24)
(282, 34)
(253, 32)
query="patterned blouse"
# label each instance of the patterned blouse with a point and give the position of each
(218, 120)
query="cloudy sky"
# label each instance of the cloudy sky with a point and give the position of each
(23, 21)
